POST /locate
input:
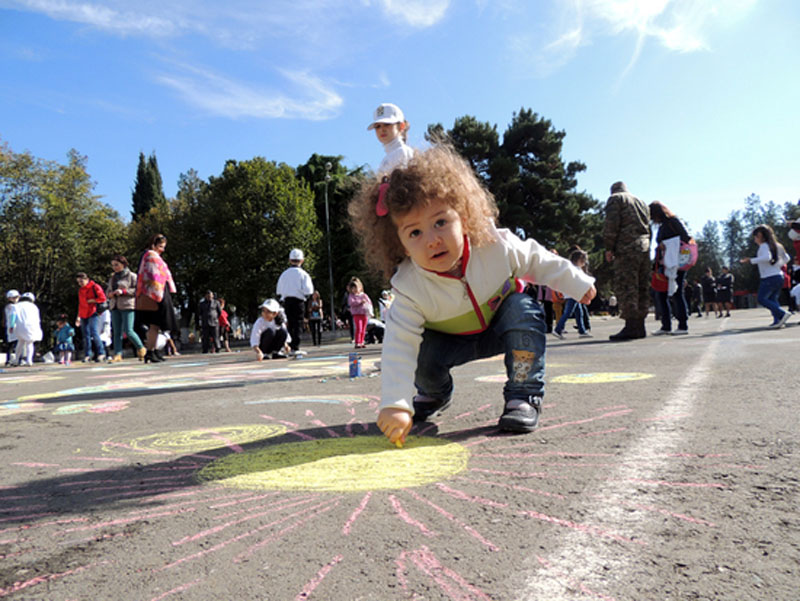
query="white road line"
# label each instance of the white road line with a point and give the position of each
(581, 561)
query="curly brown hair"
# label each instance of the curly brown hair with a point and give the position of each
(438, 174)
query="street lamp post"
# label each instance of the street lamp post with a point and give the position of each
(328, 167)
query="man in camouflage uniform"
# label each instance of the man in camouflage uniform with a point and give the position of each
(627, 241)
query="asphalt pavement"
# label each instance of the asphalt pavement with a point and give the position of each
(663, 468)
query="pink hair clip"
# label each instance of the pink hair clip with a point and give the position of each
(380, 207)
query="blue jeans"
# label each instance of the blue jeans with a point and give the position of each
(570, 307)
(681, 309)
(122, 323)
(517, 329)
(768, 291)
(90, 329)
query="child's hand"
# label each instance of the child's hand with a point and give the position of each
(590, 294)
(259, 354)
(394, 423)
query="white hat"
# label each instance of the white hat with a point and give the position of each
(12, 293)
(296, 255)
(386, 113)
(271, 305)
(29, 296)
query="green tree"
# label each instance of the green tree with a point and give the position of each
(246, 222)
(535, 190)
(148, 190)
(709, 250)
(346, 259)
(51, 226)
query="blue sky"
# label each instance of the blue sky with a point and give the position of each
(691, 102)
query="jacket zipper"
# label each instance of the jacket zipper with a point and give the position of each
(474, 302)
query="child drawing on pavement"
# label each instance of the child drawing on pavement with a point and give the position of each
(457, 285)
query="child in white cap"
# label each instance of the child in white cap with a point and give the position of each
(28, 328)
(391, 128)
(269, 334)
(294, 287)
(10, 318)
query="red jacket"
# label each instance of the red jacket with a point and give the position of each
(91, 290)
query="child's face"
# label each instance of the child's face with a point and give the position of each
(267, 314)
(386, 132)
(432, 236)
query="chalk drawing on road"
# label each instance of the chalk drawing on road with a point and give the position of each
(600, 378)
(105, 407)
(14, 407)
(194, 441)
(335, 399)
(359, 463)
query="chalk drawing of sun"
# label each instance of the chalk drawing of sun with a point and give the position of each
(339, 464)
(241, 497)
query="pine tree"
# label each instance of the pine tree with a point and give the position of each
(148, 190)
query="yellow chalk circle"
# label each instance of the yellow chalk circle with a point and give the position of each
(339, 464)
(194, 441)
(600, 378)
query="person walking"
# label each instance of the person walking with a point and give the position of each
(90, 295)
(154, 289)
(121, 294)
(28, 328)
(224, 327)
(671, 233)
(626, 234)
(709, 284)
(770, 258)
(315, 315)
(209, 311)
(9, 320)
(725, 292)
(294, 287)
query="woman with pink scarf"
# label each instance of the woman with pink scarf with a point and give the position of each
(153, 298)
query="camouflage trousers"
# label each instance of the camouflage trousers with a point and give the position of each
(632, 272)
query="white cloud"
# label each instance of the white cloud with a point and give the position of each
(101, 16)
(417, 13)
(222, 96)
(679, 25)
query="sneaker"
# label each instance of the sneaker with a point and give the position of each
(660, 332)
(297, 354)
(585, 335)
(87, 360)
(279, 355)
(680, 332)
(782, 321)
(521, 415)
(559, 335)
(426, 407)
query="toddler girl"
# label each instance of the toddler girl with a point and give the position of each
(457, 290)
(391, 129)
(315, 313)
(64, 344)
(360, 309)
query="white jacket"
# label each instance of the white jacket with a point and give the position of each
(28, 325)
(424, 299)
(398, 153)
(763, 258)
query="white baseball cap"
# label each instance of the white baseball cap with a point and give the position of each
(271, 305)
(386, 113)
(30, 296)
(12, 293)
(296, 255)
